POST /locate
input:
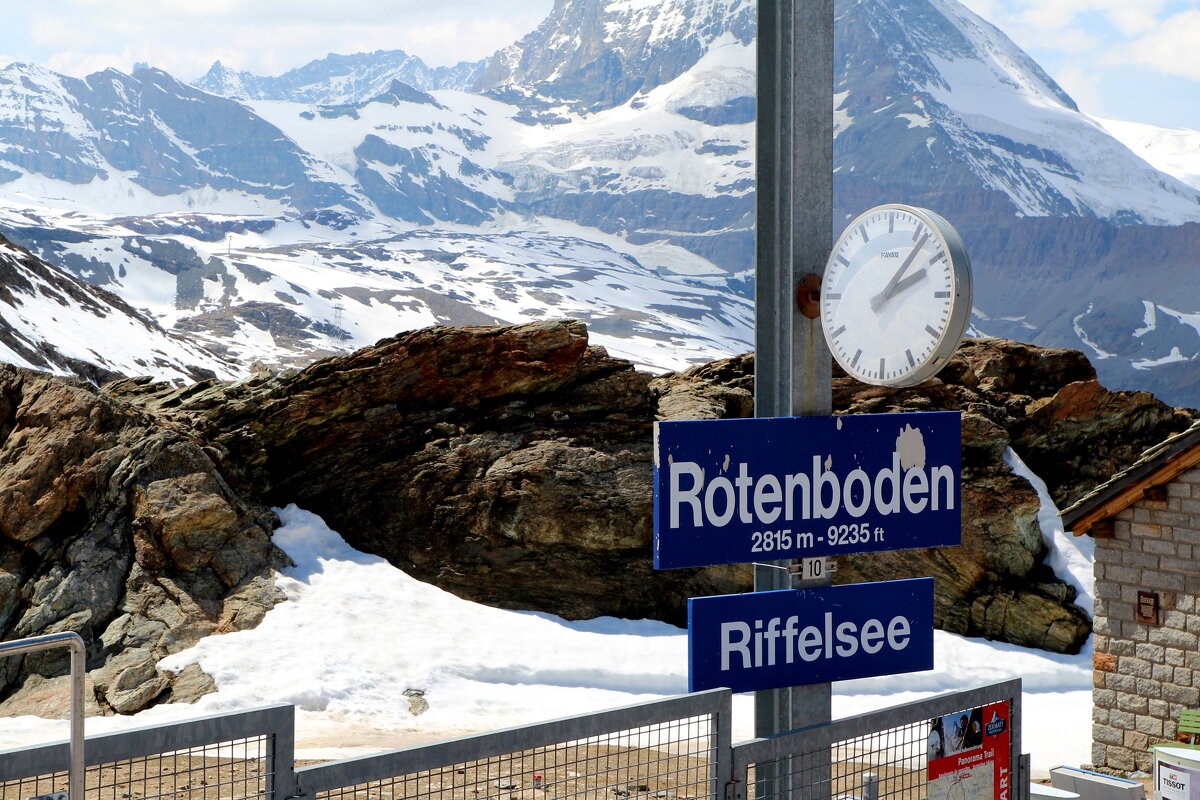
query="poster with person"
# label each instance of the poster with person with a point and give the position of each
(969, 755)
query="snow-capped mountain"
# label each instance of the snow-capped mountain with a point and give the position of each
(616, 138)
(340, 79)
(939, 108)
(53, 322)
(126, 141)
(590, 55)
(241, 290)
(1175, 151)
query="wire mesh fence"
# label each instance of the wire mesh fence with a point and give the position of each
(674, 749)
(234, 770)
(889, 764)
(943, 747)
(672, 758)
(232, 757)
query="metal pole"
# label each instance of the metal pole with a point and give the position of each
(71, 640)
(794, 235)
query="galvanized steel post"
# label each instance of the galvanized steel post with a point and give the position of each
(72, 641)
(794, 234)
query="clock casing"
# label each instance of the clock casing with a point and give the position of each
(896, 295)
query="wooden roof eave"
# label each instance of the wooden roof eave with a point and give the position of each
(1106, 506)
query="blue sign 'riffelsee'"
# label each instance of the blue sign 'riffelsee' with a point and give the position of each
(795, 637)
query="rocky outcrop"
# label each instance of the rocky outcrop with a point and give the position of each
(510, 465)
(116, 523)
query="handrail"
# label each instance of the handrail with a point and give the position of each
(72, 641)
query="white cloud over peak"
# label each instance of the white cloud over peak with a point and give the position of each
(264, 36)
(1171, 47)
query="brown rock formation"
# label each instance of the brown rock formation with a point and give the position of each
(510, 465)
(116, 524)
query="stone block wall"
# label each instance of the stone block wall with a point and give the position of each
(1146, 673)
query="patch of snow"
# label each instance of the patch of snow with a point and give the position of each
(1071, 557)
(506, 668)
(1175, 151)
(1083, 337)
(1170, 358)
(1148, 321)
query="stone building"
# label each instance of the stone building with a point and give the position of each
(1146, 524)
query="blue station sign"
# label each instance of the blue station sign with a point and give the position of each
(744, 490)
(795, 637)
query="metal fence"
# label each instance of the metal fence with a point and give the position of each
(674, 749)
(228, 757)
(669, 749)
(879, 755)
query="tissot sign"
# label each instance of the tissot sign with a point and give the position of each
(744, 490)
(793, 637)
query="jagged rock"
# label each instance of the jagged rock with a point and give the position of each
(117, 524)
(1084, 434)
(510, 465)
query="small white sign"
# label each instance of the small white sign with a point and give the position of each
(812, 569)
(1174, 783)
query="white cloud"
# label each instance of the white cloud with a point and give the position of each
(1085, 87)
(264, 36)
(1127, 18)
(1172, 47)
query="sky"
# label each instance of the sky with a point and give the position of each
(1134, 60)
(267, 37)
(501, 668)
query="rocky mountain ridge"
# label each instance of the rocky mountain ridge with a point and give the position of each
(510, 465)
(337, 80)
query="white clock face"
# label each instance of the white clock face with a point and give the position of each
(896, 295)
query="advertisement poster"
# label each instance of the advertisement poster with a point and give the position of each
(969, 755)
(1176, 782)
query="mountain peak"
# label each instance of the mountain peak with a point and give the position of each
(596, 54)
(340, 79)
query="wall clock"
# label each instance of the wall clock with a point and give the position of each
(896, 295)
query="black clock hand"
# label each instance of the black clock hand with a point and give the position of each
(916, 277)
(890, 289)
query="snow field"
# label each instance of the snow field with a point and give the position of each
(355, 633)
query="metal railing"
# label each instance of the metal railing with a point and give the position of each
(883, 754)
(225, 757)
(73, 642)
(674, 749)
(670, 748)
